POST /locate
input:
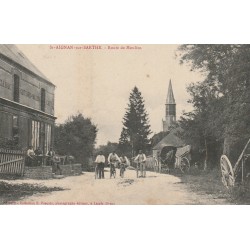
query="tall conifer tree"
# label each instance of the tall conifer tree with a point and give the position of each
(136, 128)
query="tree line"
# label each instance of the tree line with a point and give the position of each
(219, 122)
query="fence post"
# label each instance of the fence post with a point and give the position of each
(12, 162)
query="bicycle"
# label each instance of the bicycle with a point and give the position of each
(96, 172)
(122, 169)
(112, 170)
(141, 167)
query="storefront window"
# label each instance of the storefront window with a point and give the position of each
(41, 135)
(35, 134)
(15, 130)
(47, 137)
(15, 121)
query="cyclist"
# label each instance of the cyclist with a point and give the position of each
(113, 160)
(100, 164)
(140, 159)
(124, 163)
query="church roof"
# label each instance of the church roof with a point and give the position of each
(12, 52)
(170, 96)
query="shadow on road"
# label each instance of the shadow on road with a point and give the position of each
(13, 192)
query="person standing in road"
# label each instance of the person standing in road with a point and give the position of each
(100, 161)
(140, 159)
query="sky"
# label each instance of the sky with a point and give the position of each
(97, 82)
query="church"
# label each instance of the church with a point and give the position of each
(170, 113)
(170, 140)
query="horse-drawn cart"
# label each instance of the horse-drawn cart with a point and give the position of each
(175, 157)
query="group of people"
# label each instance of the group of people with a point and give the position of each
(37, 158)
(114, 161)
(34, 157)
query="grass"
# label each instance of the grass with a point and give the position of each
(209, 183)
(206, 183)
(240, 194)
(14, 192)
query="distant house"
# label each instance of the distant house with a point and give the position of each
(171, 140)
(26, 101)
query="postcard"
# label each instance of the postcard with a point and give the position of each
(124, 124)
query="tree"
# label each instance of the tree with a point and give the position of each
(76, 137)
(107, 149)
(12, 143)
(124, 144)
(136, 128)
(221, 101)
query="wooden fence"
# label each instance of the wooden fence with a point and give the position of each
(12, 162)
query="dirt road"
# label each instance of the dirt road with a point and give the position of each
(154, 189)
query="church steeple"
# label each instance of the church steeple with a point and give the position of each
(170, 117)
(170, 96)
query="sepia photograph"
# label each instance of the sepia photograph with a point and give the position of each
(124, 124)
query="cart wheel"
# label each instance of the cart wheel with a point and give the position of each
(227, 172)
(185, 165)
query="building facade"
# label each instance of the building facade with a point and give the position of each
(26, 101)
(170, 114)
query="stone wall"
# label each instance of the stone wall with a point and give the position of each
(73, 169)
(44, 172)
(66, 170)
(77, 169)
